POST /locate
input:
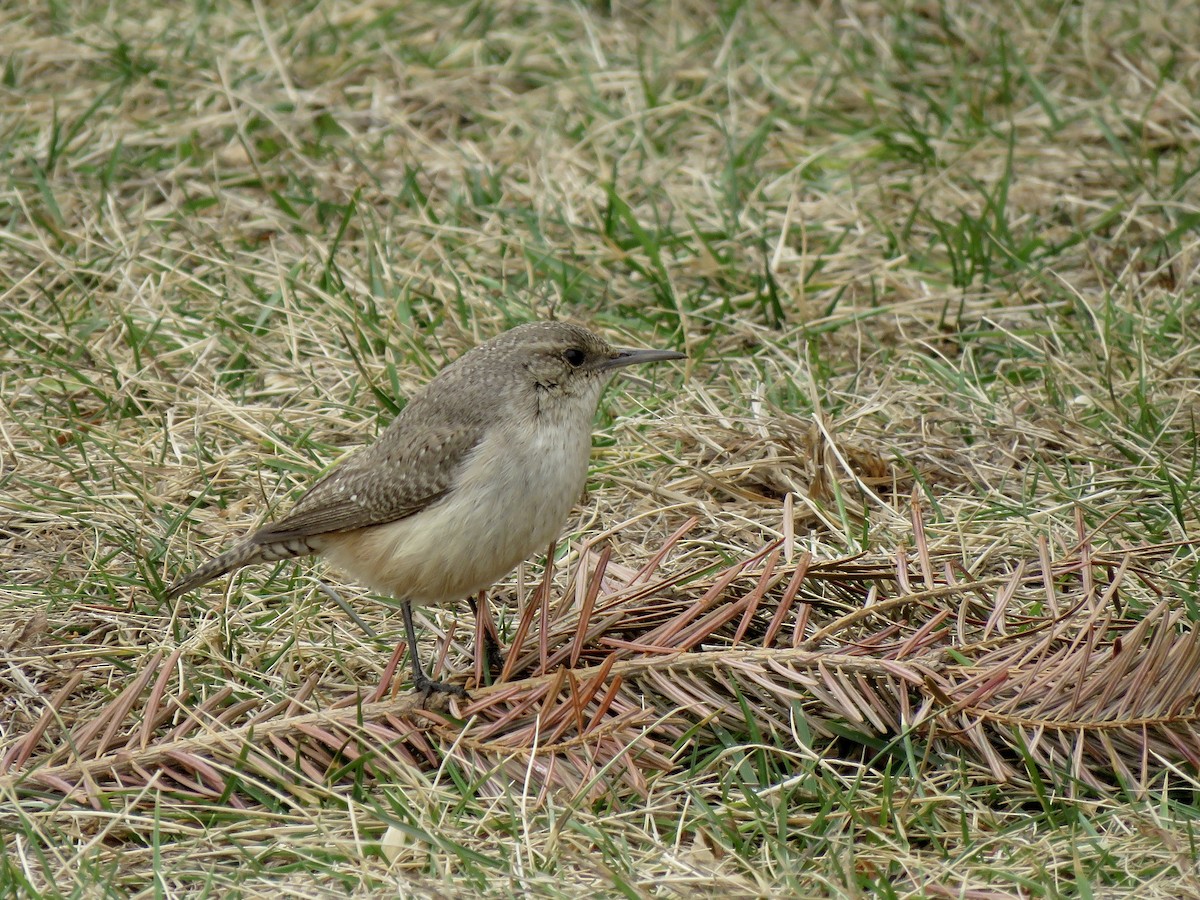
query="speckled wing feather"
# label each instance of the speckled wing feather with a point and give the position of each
(400, 474)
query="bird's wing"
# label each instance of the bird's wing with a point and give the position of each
(399, 475)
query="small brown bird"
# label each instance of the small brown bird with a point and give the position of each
(474, 475)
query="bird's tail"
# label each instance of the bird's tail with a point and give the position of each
(246, 553)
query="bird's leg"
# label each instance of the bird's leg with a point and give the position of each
(422, 682)
(493, 655)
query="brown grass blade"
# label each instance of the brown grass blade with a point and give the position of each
(109, 719)
(589, 604)
(23, 749)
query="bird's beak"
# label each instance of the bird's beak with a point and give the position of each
(632, 357)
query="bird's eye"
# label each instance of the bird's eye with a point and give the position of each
(574, 357)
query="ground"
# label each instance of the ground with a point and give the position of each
(888, 590)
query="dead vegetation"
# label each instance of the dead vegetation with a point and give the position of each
(895, 590)
(614, 675)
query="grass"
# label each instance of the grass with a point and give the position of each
(935, 268)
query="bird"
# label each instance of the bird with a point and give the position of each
(474, 475)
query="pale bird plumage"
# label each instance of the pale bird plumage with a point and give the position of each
(478, 472)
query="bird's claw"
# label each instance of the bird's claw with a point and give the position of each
(426, 686)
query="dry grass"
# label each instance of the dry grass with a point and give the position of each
(921, 510)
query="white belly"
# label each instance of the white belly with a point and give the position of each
(510, 501)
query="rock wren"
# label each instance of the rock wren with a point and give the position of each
(475, 474)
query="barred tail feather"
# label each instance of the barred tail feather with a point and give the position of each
(246, 553)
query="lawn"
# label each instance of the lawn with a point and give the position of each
(888, 590)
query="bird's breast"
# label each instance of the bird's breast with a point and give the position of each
(510, 498)
(528, 476)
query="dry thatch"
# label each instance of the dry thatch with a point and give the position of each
(943, 246)
(608, 679)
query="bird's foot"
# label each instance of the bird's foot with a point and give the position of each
(494, 655)
(489, 646)
(423, 684)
